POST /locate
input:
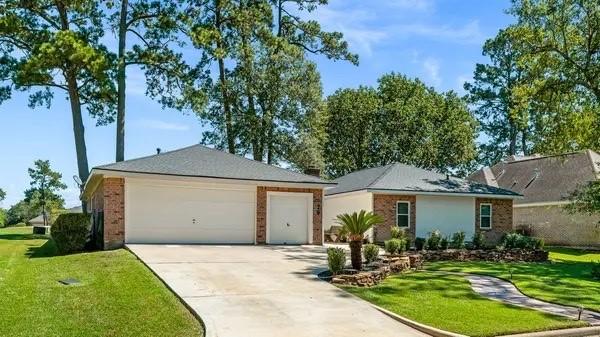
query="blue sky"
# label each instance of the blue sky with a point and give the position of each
(438, 41)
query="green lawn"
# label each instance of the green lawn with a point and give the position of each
(565, 279)
(447, 302)
(118, 296)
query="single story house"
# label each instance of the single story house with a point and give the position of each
(546, 182)
(39, 220)
(421, 201)
(201, 195)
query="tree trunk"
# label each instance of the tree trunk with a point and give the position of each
(512, 148)
(524, 142)
(224, 91)
(356, 254)
(120, 150)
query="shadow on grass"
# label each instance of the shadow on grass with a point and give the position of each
(48, 249)
(27, 236)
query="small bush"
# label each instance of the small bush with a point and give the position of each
(370, 252)
(336, 259)
(596, 270)
(394, 246)
(70, 231)
(398, 233)
(458, 240)
(512, 240)
(420, 243)
(434, 240)
(477, 241)
(538, 243)
(516, 240)
(406, 244)
(444, 243)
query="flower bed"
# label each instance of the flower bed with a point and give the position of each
(375, 272)
(493, 255)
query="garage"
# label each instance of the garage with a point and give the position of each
(175, 212)
(289, 218)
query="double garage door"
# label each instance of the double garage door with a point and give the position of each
(176, 212)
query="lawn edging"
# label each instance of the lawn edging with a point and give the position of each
(206, 332)
(573, 332)
(435, 332)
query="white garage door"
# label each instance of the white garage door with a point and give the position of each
(168, 212)
(289, 218)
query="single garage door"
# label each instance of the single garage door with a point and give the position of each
(289, 218)
(168, 212)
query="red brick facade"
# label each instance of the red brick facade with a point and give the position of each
(109, 197)
(502, 218)
(385, 205)
(261, 211)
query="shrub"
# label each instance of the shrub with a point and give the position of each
(398, 233)
(370, 252)
(393, 246)
(336, 259)
(596, 270)
(511, 240)
(538, 243)
(516, 240)
(70, 231)
(420, 243)
(478, 240)
(444, 243)
(434, 240)
(458, 240)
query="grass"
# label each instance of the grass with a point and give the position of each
(118, 296)
(447, 302)
(566, 279)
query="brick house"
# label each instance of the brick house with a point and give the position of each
(546, 183)
(421, 201)
(201, 195)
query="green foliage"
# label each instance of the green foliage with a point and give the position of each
(595, 272)
(434, 240)
(420, 243)
(444, 243)
(45, 183)
(516, 240)
(70, 232)
(2, 218)
(336, 259)
(398, 233)
(370, 252)
(395, 246)
(586, 200)
(478, 240)
(22, 211)
(402, 120)
(357, 224)
(458, 240)
(2, 195)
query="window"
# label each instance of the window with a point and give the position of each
(403, 214)
(485, 216)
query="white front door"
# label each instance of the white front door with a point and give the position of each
(289, 218)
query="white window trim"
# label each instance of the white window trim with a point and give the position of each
(490, 216)
(408, 214)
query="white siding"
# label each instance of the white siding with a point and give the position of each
(446, 213)
(345, 203)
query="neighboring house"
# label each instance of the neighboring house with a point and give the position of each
(546, 182)
(201, 195)
(39, 220)
(421, 201)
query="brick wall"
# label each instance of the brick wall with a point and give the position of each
(385, 205)
(557, 227)
(114, 212)
(261, 211)
(502, 218)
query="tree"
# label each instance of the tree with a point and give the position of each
(2, 195)
(55, 45)
(586, 199)
(268, 89)
(492, 95)
(355, 226)
(150, 27)
(45, 183)
(401, 121)
(20, 212)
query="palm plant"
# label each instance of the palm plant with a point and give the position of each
(355, 225)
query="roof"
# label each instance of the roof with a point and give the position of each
(406, 178)
(40, 218)
(543, 178)
(202, 161)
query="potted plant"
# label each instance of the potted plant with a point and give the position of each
(355, 226)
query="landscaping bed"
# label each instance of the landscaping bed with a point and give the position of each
(372, 273)
(491, 255)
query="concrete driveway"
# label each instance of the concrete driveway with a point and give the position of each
(264, 291)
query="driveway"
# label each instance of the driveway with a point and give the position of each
(264, 291)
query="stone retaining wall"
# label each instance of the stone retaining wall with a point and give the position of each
(516, 255)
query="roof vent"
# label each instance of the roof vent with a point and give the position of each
(158, 150)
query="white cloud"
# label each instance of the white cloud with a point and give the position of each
(469, 33)
(432, 69)
(161, 125)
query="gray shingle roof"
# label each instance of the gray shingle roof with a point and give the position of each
(400, 177)
(201, 161)
(544, 179)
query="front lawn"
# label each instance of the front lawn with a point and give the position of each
(118, 296)
(447, 302)
(565, 279)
